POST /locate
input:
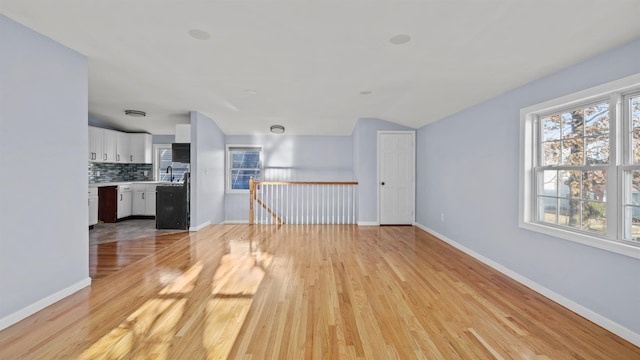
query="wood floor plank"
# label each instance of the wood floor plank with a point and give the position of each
(302, 292)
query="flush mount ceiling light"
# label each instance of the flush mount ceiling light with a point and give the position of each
(400, 39)
(277, 129)
(135, 113)
(199, 34)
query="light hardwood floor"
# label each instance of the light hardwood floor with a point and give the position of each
(115, 246)
(307, 292)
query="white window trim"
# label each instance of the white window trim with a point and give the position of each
(610, 242)
(156, 169)
(227, 171)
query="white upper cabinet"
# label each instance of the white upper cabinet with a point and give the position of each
(109, 145)
(141, 147)
(112, 146)
(95, 144)
(102, 145)
(123, 147)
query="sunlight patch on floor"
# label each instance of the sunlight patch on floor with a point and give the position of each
(234, 286)
(147, 332)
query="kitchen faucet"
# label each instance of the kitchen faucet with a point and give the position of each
(170, 169)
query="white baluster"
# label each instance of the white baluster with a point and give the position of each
(341, 203)
(355, 204)
(323, 202)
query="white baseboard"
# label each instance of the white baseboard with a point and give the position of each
(200, 227)
(587, 313)
(25, 312)
(361, 223)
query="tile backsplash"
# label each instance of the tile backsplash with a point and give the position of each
(119, 172)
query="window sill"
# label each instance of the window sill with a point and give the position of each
(614, 246)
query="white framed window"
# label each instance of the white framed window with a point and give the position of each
(580, 167)
(162, 160)
(243, 162)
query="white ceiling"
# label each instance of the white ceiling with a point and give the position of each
(309, 61)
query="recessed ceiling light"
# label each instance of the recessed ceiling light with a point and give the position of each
(277, 129)
(365, 92)
(135, 113)
(400, 39)
(199, 34)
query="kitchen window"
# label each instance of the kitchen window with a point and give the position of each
(162, 159)
(243, 162)
(580, 167)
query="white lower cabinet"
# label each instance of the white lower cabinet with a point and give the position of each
(150, 199)
(93, 206)
(144, 200)
(124, 201)
(139, 205)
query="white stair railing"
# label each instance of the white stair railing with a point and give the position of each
(296, 202)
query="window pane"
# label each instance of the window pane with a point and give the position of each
(245, 159)
(550, 128)
(632, 213)
(569, 214)
(597, 150)
(549, 183)
(636, 146)
(594, 216)
(572, 151)
(634, 112)
(632, 223)
(597, 119)
(634, 104)
(569, 183)
(165, 158)
(177, 169)
(635, 188)
(244, 162)
(572, 124)
(594, 185)
(547, 210)
(551, 154)
(240, 178)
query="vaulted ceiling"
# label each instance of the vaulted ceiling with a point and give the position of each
(317, 66)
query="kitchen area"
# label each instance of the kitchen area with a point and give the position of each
(125, 197)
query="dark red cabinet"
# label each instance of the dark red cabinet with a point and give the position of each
(108, 204)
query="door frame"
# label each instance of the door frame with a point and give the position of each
(378, 180)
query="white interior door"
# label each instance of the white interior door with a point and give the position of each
(396, 177)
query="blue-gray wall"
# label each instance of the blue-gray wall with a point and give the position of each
(44, 240)
(207, 171)
(294, 158)
(467, 169)
(365, 150)
(94, 121)
(163, 139)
